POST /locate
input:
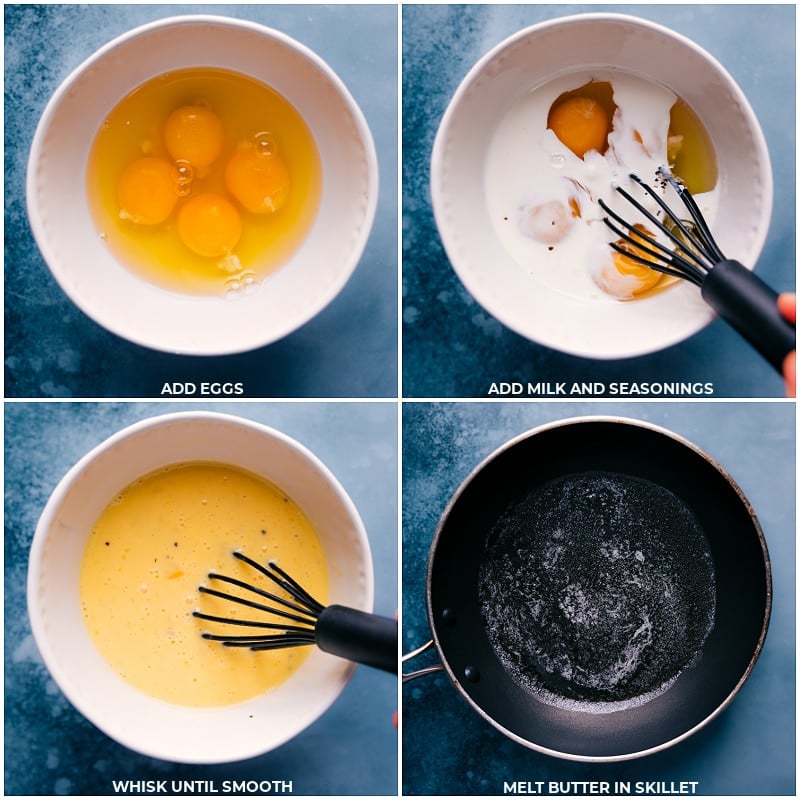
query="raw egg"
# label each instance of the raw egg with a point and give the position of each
(147, 191)
(209, 225)
(258, 178)
(581, 118)
(204, 181)
(550, 222)
(581, 124)
(623, 276)
(194, 134)
(568, 143)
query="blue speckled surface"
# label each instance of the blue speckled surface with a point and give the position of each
(53, 350)
(452, 349)
(748, 750)
(50, 749)
(451, 346)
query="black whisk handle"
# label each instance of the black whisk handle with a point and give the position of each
(358, 636)
(746, 303)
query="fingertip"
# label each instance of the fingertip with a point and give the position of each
(787, 305)
(790, 373)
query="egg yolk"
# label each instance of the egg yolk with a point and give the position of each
(580, 123)
(194, 134)
(646, 277)
(147, 191)
(258, 180)
(209, 225)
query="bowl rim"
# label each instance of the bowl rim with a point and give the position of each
(43, 531)
(142, 337)
(437, 170)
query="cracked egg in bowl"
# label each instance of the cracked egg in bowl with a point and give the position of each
(202, 185)
(558, 116)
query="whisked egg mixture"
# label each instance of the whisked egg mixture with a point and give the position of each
(566, 144)
(150, 550)
(203, 181)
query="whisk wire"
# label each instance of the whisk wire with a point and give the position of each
(703, 230)
(247, 623)
(274, 642)
(285, 581)
(335, 629)
(699, 238)
(307, 620)
(696, 256)
(260, 592)
(305, 610)
(278, 643)
(240, 641)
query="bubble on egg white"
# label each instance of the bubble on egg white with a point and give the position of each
(265, 144)
(241, 286)
(185, 177)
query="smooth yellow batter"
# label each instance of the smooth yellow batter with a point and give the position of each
(155, 544)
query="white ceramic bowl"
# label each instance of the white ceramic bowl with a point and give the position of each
(127, 305)
(531, 58)
(134, 719)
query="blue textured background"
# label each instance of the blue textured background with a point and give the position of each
(50, 749)
(748, 750)
(451, 346)
(53, 350)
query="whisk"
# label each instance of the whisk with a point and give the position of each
(345, 632)
(741, 298)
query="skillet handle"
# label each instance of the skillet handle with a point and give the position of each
(409, 676)
(358, 636)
